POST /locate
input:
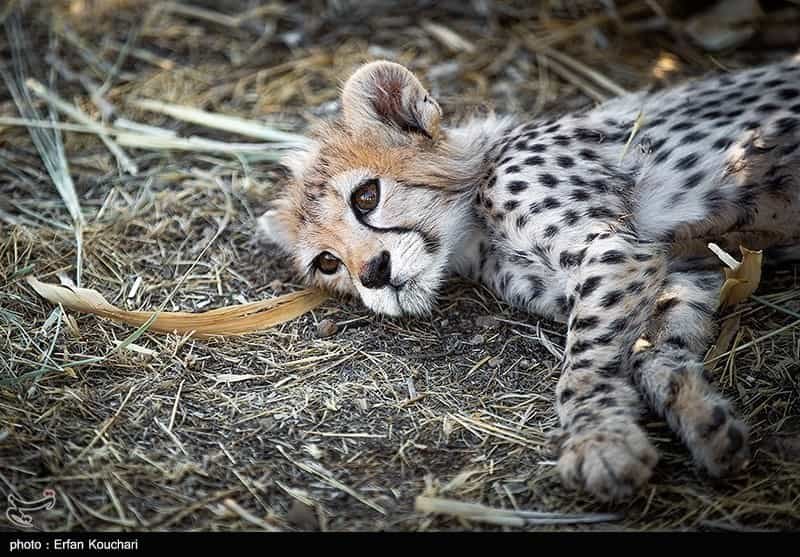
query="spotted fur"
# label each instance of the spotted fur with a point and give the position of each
(552, 217)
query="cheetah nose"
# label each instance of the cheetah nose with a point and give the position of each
(377, 271)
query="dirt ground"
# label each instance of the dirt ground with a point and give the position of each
(286, 429)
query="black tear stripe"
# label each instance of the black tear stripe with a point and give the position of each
(431, 244)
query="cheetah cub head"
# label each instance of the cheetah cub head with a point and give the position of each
(374, 206)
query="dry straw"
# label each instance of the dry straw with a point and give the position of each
(144, 431)
(229, 320)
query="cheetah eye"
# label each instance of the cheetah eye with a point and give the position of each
(327, 263)
(365, 198)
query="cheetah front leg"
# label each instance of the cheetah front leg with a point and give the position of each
(666, 366)
(605, 451)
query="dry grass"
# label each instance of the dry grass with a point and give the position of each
(283, 429)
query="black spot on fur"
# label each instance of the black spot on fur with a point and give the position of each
(662, 156)
(565, 161)
(570, 217)
(687, 162)
(579, 195)
(599, 185)
(789, 149)
(692, 110)
(618, 325)
(561, 302)
(510, 205)
(585, 323)
(675, 342)
(581, 364)
(579, 347)
(787, 125)
(577, 180)
(767, 108)
(611, 298)
(636, 287)
(607, 338)
(567, 259)
(602, 387)
(561, 140)
(517, 186)
(535, 160)
(675, 199)
(536, 284)
(681, 126)
(711, 115)
(612, 257)
(722, 143)
(656, 145)
(606, 402)
(590, 285)
(600, 212)
(550, 231)
(611, 368)
(693, 181)
(788, 94)
(584, 134)
(548, 180)
(693, 137)
(587, 155)
(551, 203)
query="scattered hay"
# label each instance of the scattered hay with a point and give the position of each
(283, 429)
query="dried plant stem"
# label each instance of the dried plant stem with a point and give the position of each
(219, 121)
(77, 114)
(504, 517)
(248, 516)
(332, 481)
(102, 430)
(582, 68)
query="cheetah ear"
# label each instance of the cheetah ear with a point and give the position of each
(276, 227)
(281, 222)
(387, 94)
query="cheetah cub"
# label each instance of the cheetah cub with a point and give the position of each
(387, 202)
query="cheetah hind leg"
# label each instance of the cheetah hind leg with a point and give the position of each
(667, 368)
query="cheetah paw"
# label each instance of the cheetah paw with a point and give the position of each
(720, 445)
(609, 465)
